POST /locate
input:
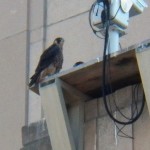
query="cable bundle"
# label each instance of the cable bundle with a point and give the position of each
(108, 76)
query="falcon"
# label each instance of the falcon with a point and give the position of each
(50, 62)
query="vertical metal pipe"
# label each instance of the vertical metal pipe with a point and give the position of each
(113, 40)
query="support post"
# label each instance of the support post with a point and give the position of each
(56, 117)
(144, 65)
(115, 32)
(76, 100)
(65, 126)
(113, 41)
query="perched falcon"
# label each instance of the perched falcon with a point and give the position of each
(50, 61)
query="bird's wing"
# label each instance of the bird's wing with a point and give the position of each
(47, 57)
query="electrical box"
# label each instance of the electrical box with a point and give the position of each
(137, 7)
(117, 15)
(120, 11)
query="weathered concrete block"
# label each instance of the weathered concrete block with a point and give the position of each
(34, 132)
(42, 144)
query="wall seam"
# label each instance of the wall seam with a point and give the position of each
(66, 19)
(11, 36)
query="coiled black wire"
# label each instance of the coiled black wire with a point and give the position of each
(105, 58)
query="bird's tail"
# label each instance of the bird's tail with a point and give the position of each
(34, 79)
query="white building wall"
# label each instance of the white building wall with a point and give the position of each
(13, 35)
(29, 26)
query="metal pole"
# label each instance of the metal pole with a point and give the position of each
(113, 40)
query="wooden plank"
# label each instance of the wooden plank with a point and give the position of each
(56, 117)
(90, 77)
(73, 92)
(34, 132)
(143, 59)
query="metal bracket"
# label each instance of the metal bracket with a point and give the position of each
(143, 47)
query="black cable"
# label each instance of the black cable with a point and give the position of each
(120, 46)
(134, 92)
(106, 22)
(120, 131)
(133, 97)
(106, 4)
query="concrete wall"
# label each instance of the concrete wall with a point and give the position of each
(13, 35)
(101, 132)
